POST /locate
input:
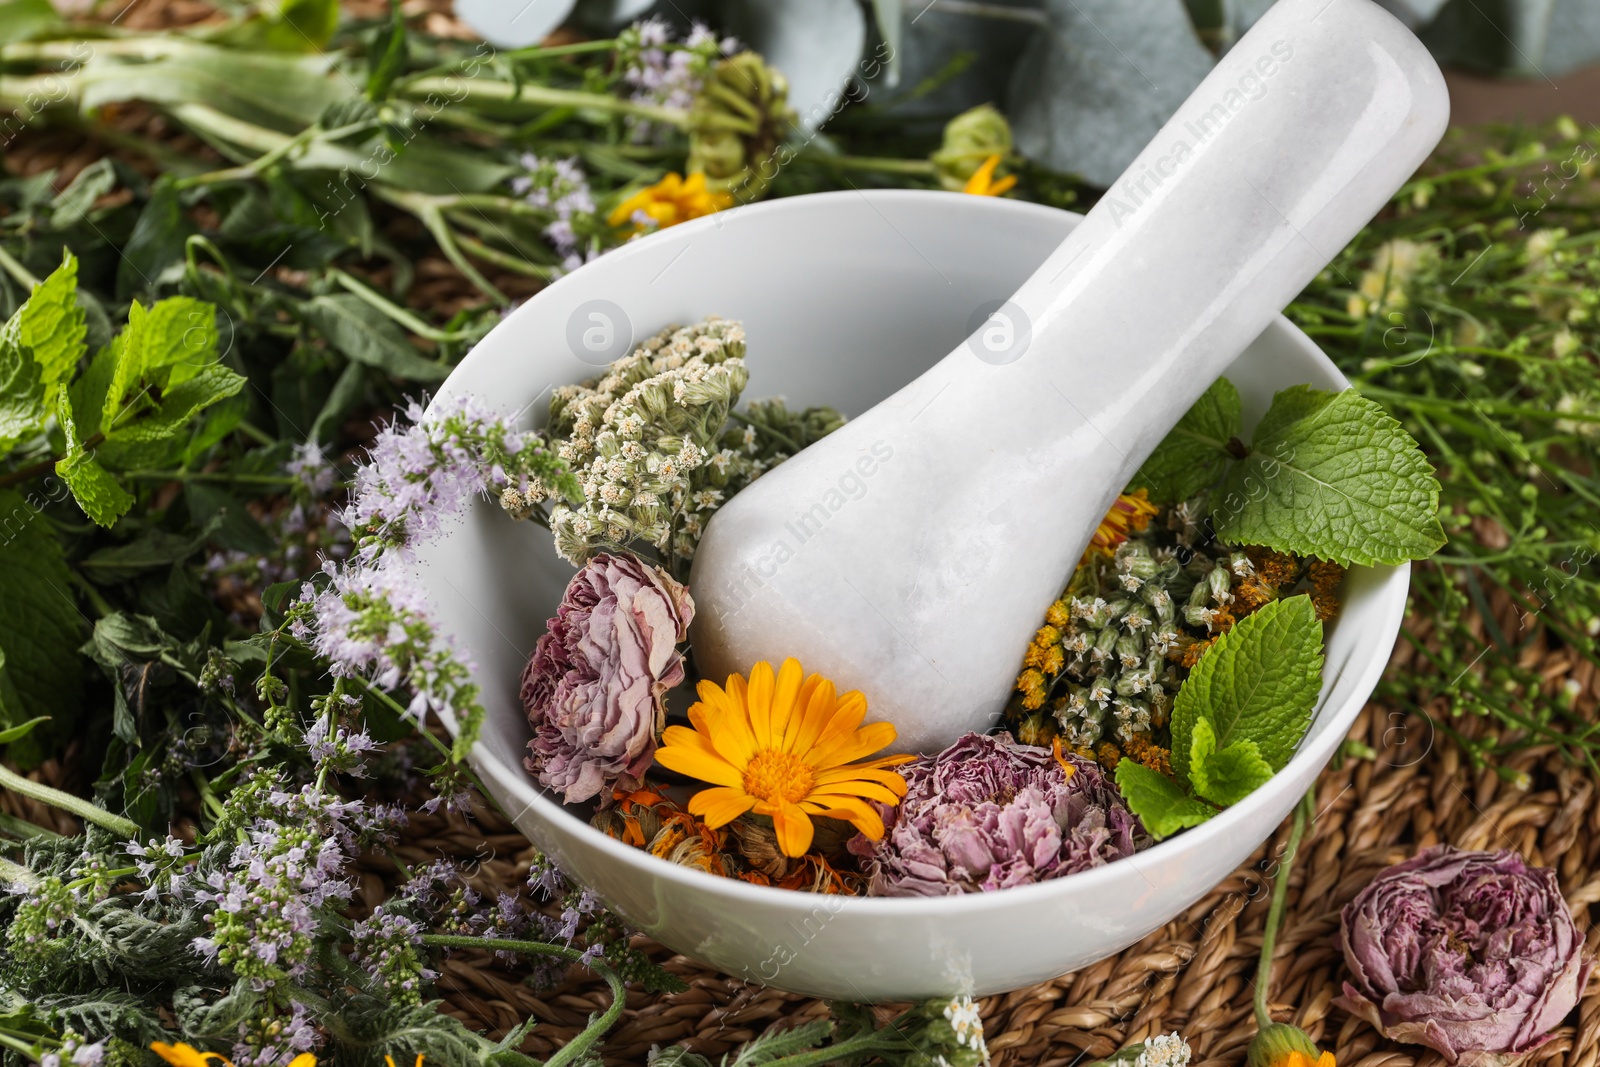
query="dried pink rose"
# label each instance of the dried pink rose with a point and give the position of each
(988, 813)
(1474, 954)
(595, 686)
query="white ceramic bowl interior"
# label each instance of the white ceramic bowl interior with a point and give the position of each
(845, 297)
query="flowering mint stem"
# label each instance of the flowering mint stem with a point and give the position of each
(574, 1051)
(1303, 813)
(83, 809)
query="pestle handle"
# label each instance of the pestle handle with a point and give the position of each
(992, 469)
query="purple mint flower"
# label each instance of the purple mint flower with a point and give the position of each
(311, 468)
(988, 813)
(1474, 954)
(595, 687)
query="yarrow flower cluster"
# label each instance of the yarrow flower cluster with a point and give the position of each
(948, 1033)
(659, 70)
(1143, 606)
(560, 187)
(641, 438)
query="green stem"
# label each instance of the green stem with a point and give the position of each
(459, 90)
(17, 874)
(1303, 813)
(864, 1042)
(490, 254)
(428, 212)
(400, 315)
(211, 476)
(83, 809)
(535, 52)
(27, 1050)
(13, 267)
(24, 829)
(574, 1051)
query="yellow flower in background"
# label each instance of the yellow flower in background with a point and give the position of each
(670, 201)
(1129, 512)
(782, 746)
(983, 182)
(185, 1055)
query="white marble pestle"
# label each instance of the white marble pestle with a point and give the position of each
(989, 473)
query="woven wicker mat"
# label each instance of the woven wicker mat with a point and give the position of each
(1195, 974)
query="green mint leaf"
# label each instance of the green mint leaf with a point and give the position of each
(40, 626)
(127, 353)
(1258, 683)
(1228, 776)
(1331, 475)
(1159, 801)
(52, 323)
(178, 405)
(180, 340)
(1195, 453)
(100, 495)
(365, 335)
(22, 406)
(96, 490)
(88, 391)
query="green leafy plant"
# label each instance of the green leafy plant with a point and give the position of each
(1237, 720)
(1328, 474)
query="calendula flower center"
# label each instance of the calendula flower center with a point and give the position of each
(773, 775)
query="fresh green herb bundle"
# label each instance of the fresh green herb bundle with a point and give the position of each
(1468, 312)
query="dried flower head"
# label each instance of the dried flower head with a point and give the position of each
(1474, 954)
(595, 687)
(988, 813)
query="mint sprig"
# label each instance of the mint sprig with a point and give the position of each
(1238, 718)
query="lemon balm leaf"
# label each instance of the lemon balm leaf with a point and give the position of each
(1258, 683)
(1160, 803)
(1331, 475)
(1195, 453)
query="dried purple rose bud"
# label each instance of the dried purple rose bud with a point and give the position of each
(1474, 954)
(988, 813)
(595, 686)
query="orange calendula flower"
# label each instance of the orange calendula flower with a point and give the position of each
(984, 183)
(1131, 512)
(670, 201)
(1283, 1045)
(782, 745)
